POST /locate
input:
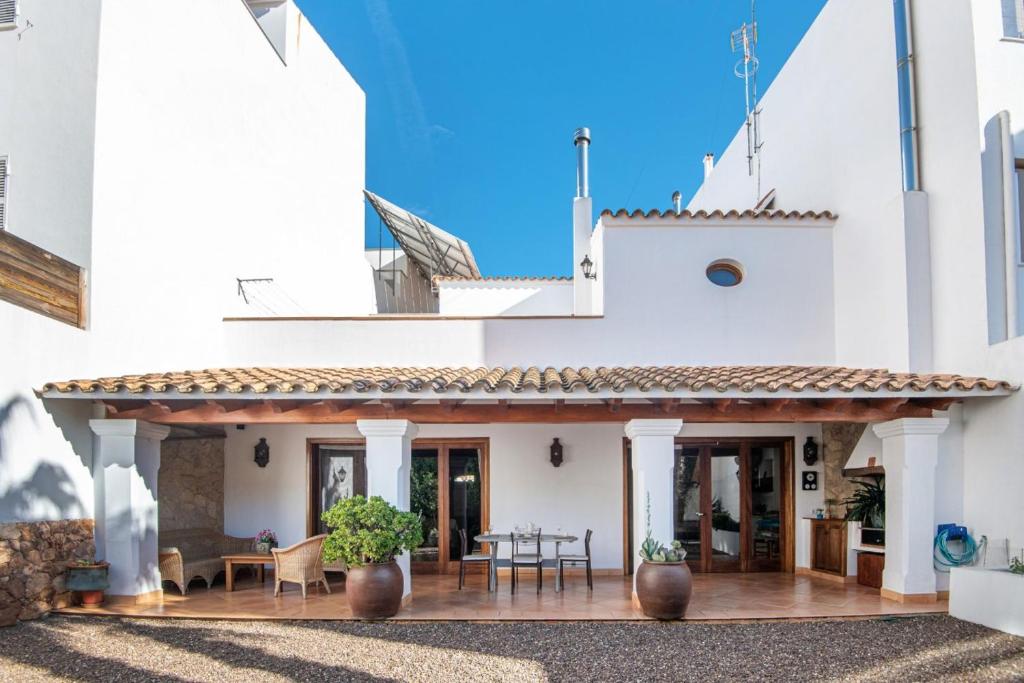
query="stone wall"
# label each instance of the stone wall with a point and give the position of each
(838, 441)
(191, 491)
(33, 559)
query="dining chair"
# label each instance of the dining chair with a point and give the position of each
(527, 559)
(574, 560)
(466, 556)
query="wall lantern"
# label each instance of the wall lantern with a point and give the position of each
(556, 453)
(588, 268)
(810, 451)
(262, 453)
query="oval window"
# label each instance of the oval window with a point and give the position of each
(725, 273)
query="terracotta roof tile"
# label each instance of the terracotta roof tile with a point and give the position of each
(765, 214)
(746, 379)
(503, 278)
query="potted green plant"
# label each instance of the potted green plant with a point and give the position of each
(367, 534)
(265, 540)
(88, 579)
(867, 504)
(663, 581)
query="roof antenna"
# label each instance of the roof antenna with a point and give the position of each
(744, 39)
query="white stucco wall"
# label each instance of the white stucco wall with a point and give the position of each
(830, 110)
(505, 297)
(659, 308)
(168, 152)
(585, 492)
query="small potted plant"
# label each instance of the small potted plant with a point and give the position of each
(663, 581)
(88, 579)
(367, 534)
(265, 540)
(867, 505)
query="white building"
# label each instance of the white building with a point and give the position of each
(839, 252)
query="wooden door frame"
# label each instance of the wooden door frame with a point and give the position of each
(446, 565)
(483, 443)
(311, 478)
(787, 505)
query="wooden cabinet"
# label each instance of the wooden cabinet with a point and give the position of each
(828, 545)
(869, 569)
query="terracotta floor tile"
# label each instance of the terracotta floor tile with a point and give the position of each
(715, 597)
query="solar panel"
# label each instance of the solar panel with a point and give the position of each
(434, 251)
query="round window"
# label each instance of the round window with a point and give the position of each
(725, 273)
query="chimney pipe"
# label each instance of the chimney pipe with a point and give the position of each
(709, 164)
(581, 139)
(677, 201)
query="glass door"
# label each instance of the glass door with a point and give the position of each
(689, 510)
(465, 512)
(724, 512)
(766, 507)
(424, 500)
(732, 503)
(448, 491)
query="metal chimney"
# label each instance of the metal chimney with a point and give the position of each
(709, 164)
(677, 201)
(581, 139)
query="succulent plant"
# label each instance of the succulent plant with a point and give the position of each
(653, 550)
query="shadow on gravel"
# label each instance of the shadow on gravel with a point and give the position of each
(907, 648)
(228, 649)
(46, 650)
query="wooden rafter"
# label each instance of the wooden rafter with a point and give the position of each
(327, 412)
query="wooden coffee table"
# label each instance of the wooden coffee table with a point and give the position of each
(230, 561)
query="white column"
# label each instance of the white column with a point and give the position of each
(910, 449)
(653, 447)
(388, 470)
(126, 463)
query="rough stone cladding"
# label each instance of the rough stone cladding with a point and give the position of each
(33, 559)
(191, 491)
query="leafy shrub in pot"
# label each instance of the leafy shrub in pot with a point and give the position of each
(367, 534)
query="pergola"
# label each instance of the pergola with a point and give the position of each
(652, 403)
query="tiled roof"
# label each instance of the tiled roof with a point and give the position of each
(766, 214)
(503, 278)
(529, 380)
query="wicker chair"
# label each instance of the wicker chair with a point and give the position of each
(187, 554)
(302, 563)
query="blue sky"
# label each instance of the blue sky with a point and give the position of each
(471, 105)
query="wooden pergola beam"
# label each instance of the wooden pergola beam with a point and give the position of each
(318, 412)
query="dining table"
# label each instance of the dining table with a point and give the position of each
(495, 539)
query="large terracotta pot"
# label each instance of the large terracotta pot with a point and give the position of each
(664, 589)
(374, 590)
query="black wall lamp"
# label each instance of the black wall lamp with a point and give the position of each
(556, 453)
(810, 451)
(588, 268)
(262, 457)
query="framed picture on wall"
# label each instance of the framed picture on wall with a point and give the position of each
(809, 480)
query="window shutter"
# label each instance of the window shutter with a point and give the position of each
(8, 11)
(1013, 18)
(3, 193)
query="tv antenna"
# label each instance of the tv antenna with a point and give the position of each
(744, 40)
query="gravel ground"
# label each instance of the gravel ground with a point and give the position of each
(905, 649)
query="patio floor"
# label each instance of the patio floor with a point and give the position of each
(716, 597)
